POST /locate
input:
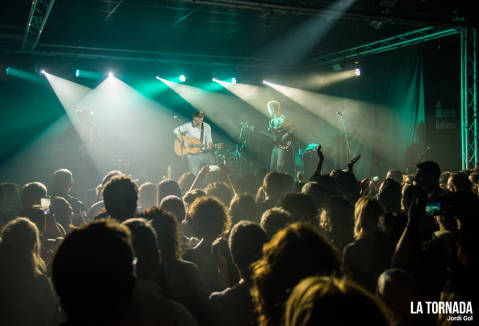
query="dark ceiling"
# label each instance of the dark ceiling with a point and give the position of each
(222, 31)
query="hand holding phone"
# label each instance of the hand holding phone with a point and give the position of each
(45, 203)
(214, 168)
(433, 208)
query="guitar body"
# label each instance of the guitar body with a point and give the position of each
(191, 146)
(286, 145)
(281, 138)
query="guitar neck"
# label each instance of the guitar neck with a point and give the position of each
(281, 137)
(266, 133)
(203, 145)
(272, 135)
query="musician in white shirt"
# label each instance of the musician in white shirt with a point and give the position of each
(201, 131)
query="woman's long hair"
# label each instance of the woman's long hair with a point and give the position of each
(368, 213)
(20, 249)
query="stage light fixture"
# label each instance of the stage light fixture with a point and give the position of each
(214, 79)
(182, 78)
(357, 72)
(88, 74)
(7, 70)
(337, 67)
(42, 72)
(110, 74)
(233, 80)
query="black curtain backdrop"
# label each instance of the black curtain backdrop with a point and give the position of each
(385, 120)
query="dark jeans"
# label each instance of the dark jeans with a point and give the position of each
(278, 159)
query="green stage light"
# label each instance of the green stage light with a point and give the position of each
(89, 74)
(26, 75)
(233, 80)
(182, 78)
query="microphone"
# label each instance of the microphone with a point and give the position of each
(340, 113)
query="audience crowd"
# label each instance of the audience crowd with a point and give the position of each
(220, 248)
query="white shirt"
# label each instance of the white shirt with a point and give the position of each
(188, 130)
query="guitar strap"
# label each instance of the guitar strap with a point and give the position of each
(202, 133)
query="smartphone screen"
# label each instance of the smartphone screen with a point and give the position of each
(433, 208)
(214, 168)
(45, 203)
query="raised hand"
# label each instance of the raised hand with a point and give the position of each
(317, 173)
(320, 154)
(200, 176)
(352, 162)
(417, 211)
(204, 171)
(355, 159)
(227, 173)
(224, 169)
(219, 248)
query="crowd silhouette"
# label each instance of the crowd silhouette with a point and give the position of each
(221, 248)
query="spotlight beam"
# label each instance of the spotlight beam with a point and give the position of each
(257, 97)
(218, 107)
(358, 114)
(68, 92)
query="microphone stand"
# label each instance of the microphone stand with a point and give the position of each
(428, 148)
(239, 148)
(345, 135)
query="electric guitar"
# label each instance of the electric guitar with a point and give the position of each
(283, 139)
(191, 146)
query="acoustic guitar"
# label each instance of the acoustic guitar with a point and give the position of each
(281, 138)
(191, 146)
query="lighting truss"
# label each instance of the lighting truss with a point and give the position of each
(388, 44)
(361, 10)
(95, 53)
(469, 123)
(469, 111)
(37, 19)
